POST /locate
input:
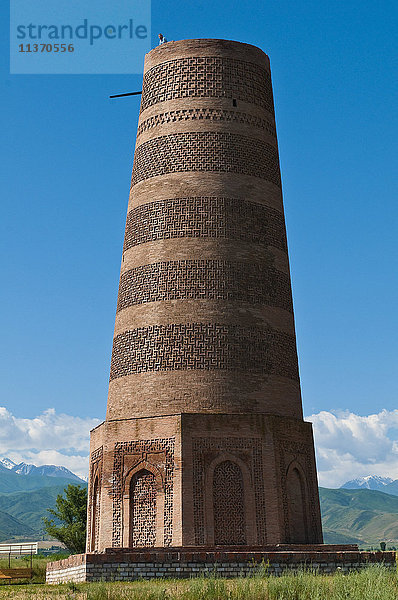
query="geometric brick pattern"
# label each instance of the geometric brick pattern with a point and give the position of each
(208, 217)
(228, 502)
(206, 151)
(143, 509)
(206, 114)
(207, 76)
(145, 447)
(205, 450)
(204, 346)
(254, 283)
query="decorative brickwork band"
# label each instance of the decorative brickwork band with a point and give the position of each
(204, 346)
(208, 217)
(216, 115)
(249, 451)
(206, 151)
(253, 283)
(143, 489)
(206, 77)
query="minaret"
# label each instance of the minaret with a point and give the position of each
(204, 442)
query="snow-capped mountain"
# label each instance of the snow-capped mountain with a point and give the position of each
(7, 463)
(49, 470)
(369, 482)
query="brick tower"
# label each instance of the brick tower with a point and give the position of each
(204, 442)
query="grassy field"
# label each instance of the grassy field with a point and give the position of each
(375, 583)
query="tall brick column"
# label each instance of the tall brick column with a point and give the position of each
(204, 441)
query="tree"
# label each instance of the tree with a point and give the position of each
(70, 513)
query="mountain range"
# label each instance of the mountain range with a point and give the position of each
(373, 482)
(26, 492)
(358, 512)
(6, 464)
(361, 516)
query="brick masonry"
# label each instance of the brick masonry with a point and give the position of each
(206, 114)
(220, 256)
(205, 279)
(203, 346)
(181, 563)
(204, 443)
(208, 76)
(206, 151)
(205, 217)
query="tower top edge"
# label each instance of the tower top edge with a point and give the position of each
(205, 47)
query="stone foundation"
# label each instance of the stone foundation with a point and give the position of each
(127, 565)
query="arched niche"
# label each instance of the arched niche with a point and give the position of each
(297, 504)
(229, 503)
(143, 507)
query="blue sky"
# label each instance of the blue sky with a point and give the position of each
(66, 163)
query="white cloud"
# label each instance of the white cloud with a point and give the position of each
(350, 446)
(50, 438)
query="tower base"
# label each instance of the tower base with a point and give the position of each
(128, 565)
(203, 481)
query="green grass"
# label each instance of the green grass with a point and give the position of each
(374, 583)
(38, 567)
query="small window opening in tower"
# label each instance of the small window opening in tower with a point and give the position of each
(234, 102)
